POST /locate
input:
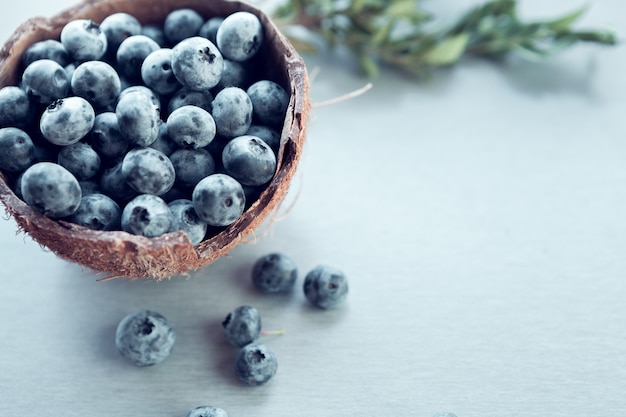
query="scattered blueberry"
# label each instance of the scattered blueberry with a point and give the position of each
(157, 74)
(17, 151)
(97, 82)
(274, 272)
(191, 127)
(269, 102)
(197, 63)
(98, 212)
(46, 49)
(255, 364)
(80, 159)
(207, 411)
(51, 189)
(219, 200)
(67, 120)
(45, 81)
(147, 215)
(131, 54)
(138, 118)
(186, 219)
(84, 40)
(16, 109)
(249, 160)
(325, 286)
(240, 36)
(145, 338)
(148, 171)
(242, 326)
(181, 24)
(232, 112)
(191, 166)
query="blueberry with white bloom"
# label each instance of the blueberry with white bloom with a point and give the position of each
(152, 95)
(185, 96)
(131, 54)
(255, 364)
(268, 134)
(235, 74)
(218, 199)
(191, 127)
(138, 118)
(197, 63)
(80, 159)
(191, 166)
(154, 32)
(97, 212)
(145, 338)
(17, 150)
(46, 49)
(157, 74)
(242, 326)
(164, 142)
(51, 189)
(113, 184)
(207, 411)
(105, 136)
(67, 120)
(119, 26)
(84, 40)
(209, 28)
(16, 109)
(249, 160)
(147, 215)
(186, 220)
(269, 102)
(97, 82)
(325, 286)
(240, 36)
(181, 24)
(232, 112)
(45, 81)
(148, 171)
(274, 273)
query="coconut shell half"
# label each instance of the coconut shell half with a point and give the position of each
(120, 254)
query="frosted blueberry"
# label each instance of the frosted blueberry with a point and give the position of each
(218, 199)
(138, 118)
(191, 166)
(147, 215)
(145, 338)
(207, 411)
(234, 75)
(113, 184)
(156, 72)
(191, 127)
(269, 102)
(131, 54)
(84, 40)
(152, 95)
(209, 28)
(46, 49)
(232, 112)
(97, 82)
(148, 171)
(51, 189)
(164, 142)
(45, 81)
(98, 212)
(186, 220)
(119, 26)
(185, 96)
(197, 63)
(16, 109)
(240, 36)
(268, 134)
(67, 120)
(242, 326)
(255, 364)
(274, 272)
(105, 136)
(181, 24)
(80, 159)
(325, 286)
(249, 160)
(154, 32)
(17, 150)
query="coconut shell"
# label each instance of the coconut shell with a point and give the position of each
(120, 254)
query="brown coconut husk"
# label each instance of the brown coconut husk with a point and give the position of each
(120, 254)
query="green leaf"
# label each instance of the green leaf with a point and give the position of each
(448, 51)
(563, 23)
(369, 66)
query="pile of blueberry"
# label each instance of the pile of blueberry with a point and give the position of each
(148, 129)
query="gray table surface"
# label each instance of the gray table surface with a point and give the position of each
(480, 217)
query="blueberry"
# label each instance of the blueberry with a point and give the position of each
(154, 32)
(98, 212)
(242, 326)
(269, 102)
(138, 118)
(97, 82)
(249, 160)
(164, 142)
(131, 54)
(80, 159)
(185, 96)
(274, 272)
(46, 49)
(16, 109)
(325, 286)
(148, 92)
(145, 338)
(197, 63)
(84, 40)
(105, 136)
(156, 72)
(191, 166)
(148, 171)
(232, 112)
(51, 189)
(186, 219)
(218, 199)
(209, 28)
(45, 81)
(17, 150)
(147, 215)
(113, 184)
(67, 120)
(207, 411)
(119, 26)
(181, 24)
(240, 36)
(255, 364)
(191, 127)
(268, 134)
(234, 75)
(89, 187)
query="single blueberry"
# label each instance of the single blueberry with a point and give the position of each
(185, 96)
(98, 212)
(97, 82)
(268, 134)
(232, 112)
(255, 364)
(16, 109)
(218, 199)
(67, 120)
(209, 28)
(84, 40)
(235, 74)
(119, 26)
(138, 118)
(325, 286)
(46, 49)
(157, 74)
(240, 36)
(105, 136)
(186, 220)
(191, 127)
(197, 63)
(207, 411)
(164, 142)
(51, 189)
(145, 338)
(154, 32)
(274, 272)
(131, 54)
(17, 150)
(80, 159)
(147, 215)
(191, 166)
(45, 81)
(242, 326)
(113, 184)
(148, 171)
(181, 24)
(249, 160)
(151, 94)
(269, 102)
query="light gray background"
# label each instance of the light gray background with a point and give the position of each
(480, 217)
